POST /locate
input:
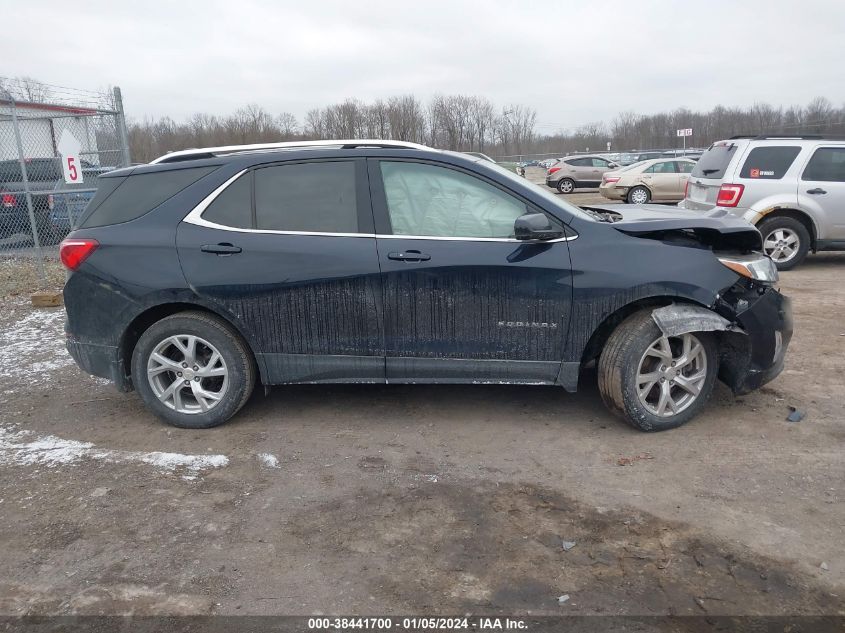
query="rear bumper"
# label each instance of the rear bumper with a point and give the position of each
(552, 183)
(613, 193)
(103, 361)
(751, 360)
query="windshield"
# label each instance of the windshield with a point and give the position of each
(553, 199)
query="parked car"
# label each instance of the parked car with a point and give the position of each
(207, 271)
(791, 188)
(572, 172)
(657, 180)
(45, 177)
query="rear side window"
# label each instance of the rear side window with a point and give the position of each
(715, 161)
(663, 167)
(579, 162)
(135, 195)
(826, 165)
(309, 197)
(684, 167)
(233, 207)
(769, 163)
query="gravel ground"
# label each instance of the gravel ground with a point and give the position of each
(423, 499)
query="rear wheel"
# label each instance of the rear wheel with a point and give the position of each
(192, 370)
(639, 195)
(566, 185)
(653, 381)
(785, 240)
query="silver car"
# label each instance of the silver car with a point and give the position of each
(791, 188)
(573, 172)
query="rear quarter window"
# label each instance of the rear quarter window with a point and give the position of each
(714, 162)
(135, 195)
(769, 163)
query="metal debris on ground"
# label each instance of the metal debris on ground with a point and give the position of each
(795, 414)
(568, 545)
(563, 599)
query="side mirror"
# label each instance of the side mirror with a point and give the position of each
(535, 226)
(614, 165)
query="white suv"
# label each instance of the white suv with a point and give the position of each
(791, 188)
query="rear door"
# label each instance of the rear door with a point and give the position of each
(663, 180)
(822, 187)
(599, 167)
(463, 299)
(288, 252)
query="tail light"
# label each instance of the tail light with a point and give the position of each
(553, 170)
(74, 252)
(8, 200)
(51, 202)
(611, 179)
(729, 195)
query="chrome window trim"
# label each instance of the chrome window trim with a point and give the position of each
(195, 217)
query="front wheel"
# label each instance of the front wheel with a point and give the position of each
(193, 370)
(653, 381)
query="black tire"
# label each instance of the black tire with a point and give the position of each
(233, 350)
(619, 365)
(566, 185)
(647, 193)
(795, 227)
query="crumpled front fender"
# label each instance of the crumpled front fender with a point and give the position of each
(680, 318)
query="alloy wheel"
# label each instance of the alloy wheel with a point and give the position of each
(671, 374)
(566, 186)
(781, 245)
(639, 196)
(187, 374)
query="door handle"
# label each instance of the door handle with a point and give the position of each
(816, 191)
(224, 248)
(409, 256)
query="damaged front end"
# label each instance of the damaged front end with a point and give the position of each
(754, 325)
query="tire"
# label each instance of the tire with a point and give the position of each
(566, 185)
(624, 358)
(783, 232)
(642, 193)
(224, 383)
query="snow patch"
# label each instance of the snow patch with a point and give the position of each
(269, 460)
(24, 448)
(33, 346)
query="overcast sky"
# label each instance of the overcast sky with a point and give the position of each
(574, 62)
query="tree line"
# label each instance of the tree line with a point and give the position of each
(460, 122)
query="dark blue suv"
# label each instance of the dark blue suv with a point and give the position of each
(206, 271)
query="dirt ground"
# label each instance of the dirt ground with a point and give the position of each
(423, 499)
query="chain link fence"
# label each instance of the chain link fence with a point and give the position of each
(54, 144)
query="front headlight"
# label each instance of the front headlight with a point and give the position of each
(755, 266)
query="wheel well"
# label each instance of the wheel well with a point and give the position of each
(802, 217)
(597, 341)
(143, 321)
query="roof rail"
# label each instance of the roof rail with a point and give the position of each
(809, 137)
(211, 152)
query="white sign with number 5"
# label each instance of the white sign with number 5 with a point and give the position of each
(69, 149)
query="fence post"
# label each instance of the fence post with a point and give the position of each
(30, 208)
(121, 126)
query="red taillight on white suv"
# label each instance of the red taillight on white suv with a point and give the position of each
(553, 170)
(729, 195)
(74, 252)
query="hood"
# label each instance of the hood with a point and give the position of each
(716, 227)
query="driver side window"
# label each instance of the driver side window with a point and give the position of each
(436, 201)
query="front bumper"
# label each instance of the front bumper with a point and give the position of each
(100, 360)
(748, 361)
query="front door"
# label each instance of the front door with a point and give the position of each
(288, 252)
(463, 299)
